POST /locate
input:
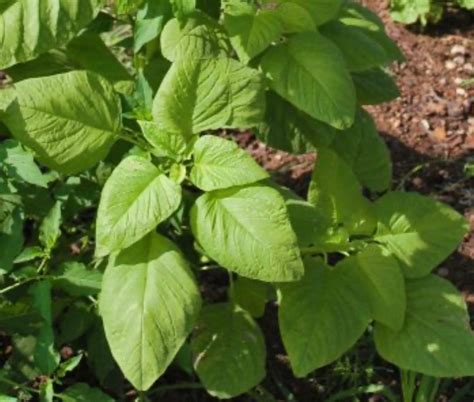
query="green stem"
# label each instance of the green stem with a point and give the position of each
(19, 284)
(408, 382)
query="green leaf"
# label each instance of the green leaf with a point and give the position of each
(75, 322)
(19, 317)
(19, 164)
(165, 144)
(183, 8)
(11, 237)
(36, 27)
(336, 192)
(197, 96)
(252, 295)
(356, 15)
(291, 130)
(50, 231)
(29, 254)
(46, 391)
(382, 281)
(350, 40)
(81, 392)
(322, 316)
(128, 6)
(375, 86)
(229, 351)
(436, 339)
(149, 304)
(150, 21)
(418, 230)
(70, 120)
(221, 163)
(294, 17)
(408, 12)
(251, 31)
(135, 199)
(321, 11)
(247, 230)
(365, 152)
(99, 356)
(46, 357)
(200, 37)
(75, 279)
(310, 72)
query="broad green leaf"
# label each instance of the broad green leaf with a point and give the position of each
(46, 357)
(221, 163)
(247, 230)
(356, 15)
(408, 11)
(291, 130)
(19, 317)
(336, 192)
(50, 230)
(365, 152)
(99, 357)
(29, 28)
(418, 230)
(165, 144)
(321, 11)
(310, 72)
(75, 279)
(200, 37)
(29, 254)
(436, 339)
(375, 86)
(197, 96)
(229, 351)
(150, 21)
(74, 323)
(6, 398)
(7, 96)
(149, 304)
(382, 281)
(11, 237)
(183, 8)
(82, 392)
(360, 51)
(135, 199)
(250, 30)
(294, 17)
(252, 295)
(322, 316)
(19, 164)
(70, 120)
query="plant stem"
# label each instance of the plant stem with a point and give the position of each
(408, 380)
(18, 284)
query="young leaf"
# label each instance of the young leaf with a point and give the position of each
(291, 130)
(135, 199)
(252, 295)
(350, 40)
(150, 21)
(382, 281)
(322, 316)
(418, 230)
(169, 145)
(310, 72)
(247, 230)
(75, 279)
(220, 163)
(81, 392)
(46, 391)
(436, 339)
(294, 17)
(365, 152)
(374, 86)
(128, 6)
(200, 37)
(70, 120)
(46, 357)
(50, 230)
(229, 351)
(251, 31)
(149, 304)
(197, 96)
(336, 192)
(183, 8)
(36, 27)
(20, 165)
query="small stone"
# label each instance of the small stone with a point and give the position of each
(450, 65)
(425, 125)
(458, 80)
(458, 49)
(468, 68)
(459, 60)
(461, 92)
